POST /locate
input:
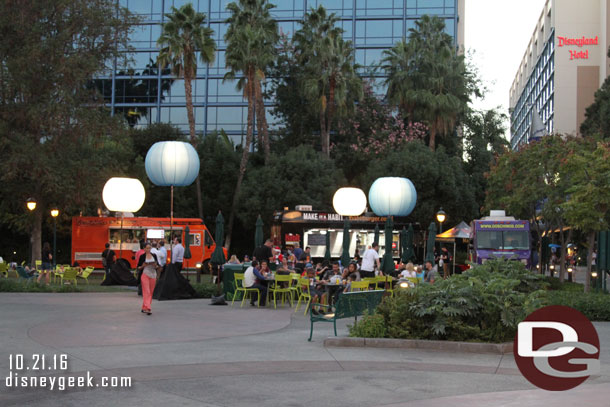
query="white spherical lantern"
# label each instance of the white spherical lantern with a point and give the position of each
(172, 163)
(123, 194)
(392, 196)
(349, 201)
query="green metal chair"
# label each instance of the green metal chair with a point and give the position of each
(294, 287)
(4, 269)
(281, 286)
(69, 274)
(239, 287)
(359, 285)
(304, 295)
(85, 274)
(23, 275)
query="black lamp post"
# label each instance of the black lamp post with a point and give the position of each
(54, 214)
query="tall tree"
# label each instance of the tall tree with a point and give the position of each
(57, 144)
(182, 37)
(330, 82)
(428, 79)
(251, 38)
(597, 116)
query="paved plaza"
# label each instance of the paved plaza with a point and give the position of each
(189, 353)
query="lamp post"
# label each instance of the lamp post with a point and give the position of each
(31, 205)
(440, 217)
(54, 214)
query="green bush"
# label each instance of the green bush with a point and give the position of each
(21, 286)
(555, 284)
(595, 306)
(205, 290)
(370, 326)
(485, 303)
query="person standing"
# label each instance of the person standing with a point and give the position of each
(297, 251)
(178, 253)
(446, 259)
(264, 252)
(147, 266)
(46, 263)
(369, 261)
(162, 255)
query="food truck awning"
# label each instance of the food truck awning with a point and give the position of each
(461, 231)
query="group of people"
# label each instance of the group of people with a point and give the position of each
(150, 259)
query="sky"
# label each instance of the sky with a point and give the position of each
(498, 31)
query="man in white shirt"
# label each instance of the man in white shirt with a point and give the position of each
(253, 279)
(178, 253)
(369, 261)
(162, 255)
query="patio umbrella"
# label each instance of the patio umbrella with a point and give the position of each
(376, 239)
(327, 252)
(258, 234)
(218, 256)
(409, 253)
(403, 245)
(345, 257)
(388, 261)
(430, 242)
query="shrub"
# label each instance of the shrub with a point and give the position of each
(204, 290)
(595, 306)
(20, 286)
(370, 326)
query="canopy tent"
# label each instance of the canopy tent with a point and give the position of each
(461, 231)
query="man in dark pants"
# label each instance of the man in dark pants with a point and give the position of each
(108, 258)
(253, 279)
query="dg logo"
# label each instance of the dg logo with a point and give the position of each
(557, 348)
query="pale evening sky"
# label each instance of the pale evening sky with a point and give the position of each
(498, 32)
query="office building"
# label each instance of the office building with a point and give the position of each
(372, 26)
(564, 64)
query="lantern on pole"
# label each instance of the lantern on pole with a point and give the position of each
(123, 195)
(348, 202)
(170, 164)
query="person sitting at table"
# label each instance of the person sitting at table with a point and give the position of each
(419, 273)
(334, 271)
(315, 288)
(292, 261)
(408, 271)
(284, 268)
(254, 279)
(264, 269)
(351, 271)
(233, 260)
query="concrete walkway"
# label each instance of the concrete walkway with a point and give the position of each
(189, 353)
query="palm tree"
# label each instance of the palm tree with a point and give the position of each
(251, 39)
(330, 82)
(427, 79)
(182, 37)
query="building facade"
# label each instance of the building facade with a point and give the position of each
(564, 64)
(141, 92)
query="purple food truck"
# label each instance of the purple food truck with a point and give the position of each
(500, 236)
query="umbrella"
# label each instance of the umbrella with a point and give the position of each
(556, 246)
(409, 253)
(327, 252)
(376, 239)
(187, 245)
(403, 245)
(430, 243)
(345, 258)
(258, 235)
(218, 256)
(388, 261)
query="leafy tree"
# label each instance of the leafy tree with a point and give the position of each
(427, 79)
(56, 144)
(484, 140)
(329, 83)
(182, 37)
(272, 186)
(597, 116)
(440, 180)
(251, 38)
(587, 206)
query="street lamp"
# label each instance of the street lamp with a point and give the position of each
(348, 202)
(31, 204)
(54, 214)
(440, 217)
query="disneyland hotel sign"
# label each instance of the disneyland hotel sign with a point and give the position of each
(577, 42)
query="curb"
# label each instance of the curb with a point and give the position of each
(464, 347)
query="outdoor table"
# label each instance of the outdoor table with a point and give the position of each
(331, 290)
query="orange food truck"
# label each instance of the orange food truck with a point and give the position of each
(90, 234)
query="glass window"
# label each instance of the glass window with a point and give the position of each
(516, 240)
(491, 239)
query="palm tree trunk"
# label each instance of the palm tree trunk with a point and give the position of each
(244, 162)
(432, 142)
(261, 122)
(188, 91)
(323, 136)
(330, 111)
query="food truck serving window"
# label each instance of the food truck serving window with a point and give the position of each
(502, 240)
